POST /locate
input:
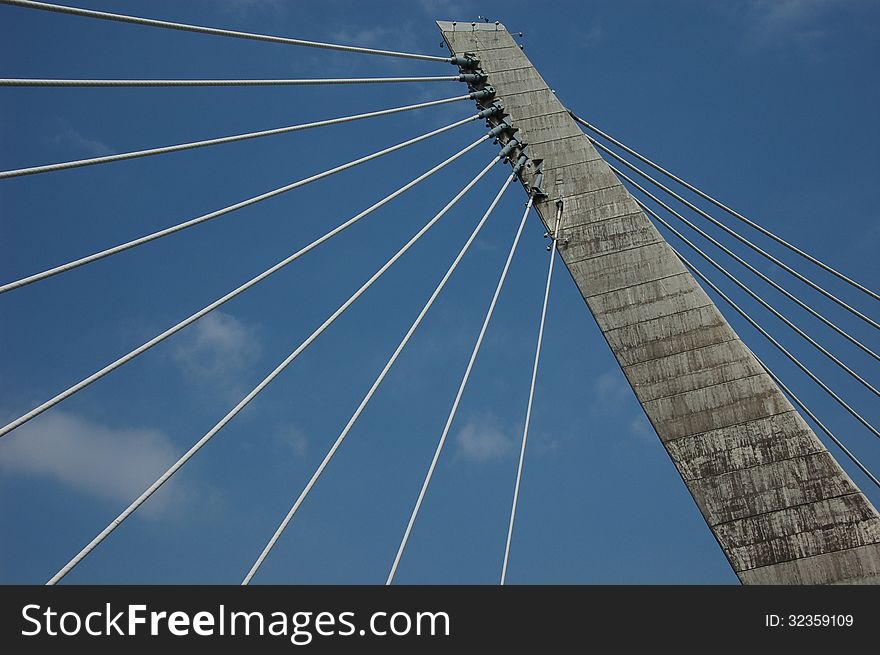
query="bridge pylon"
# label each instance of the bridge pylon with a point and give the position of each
(779, 504)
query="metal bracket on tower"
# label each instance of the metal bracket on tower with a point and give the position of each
(483, 94)
(472, 78)
(468, 61)
(509, 148)
(502, 128)
(495, 108)
(535, 188)
(557, 235)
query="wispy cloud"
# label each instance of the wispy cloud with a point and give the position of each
(113, 464)
(610, 392)
(788, 23)
(366, 37)
(614, 399)
(217, 352)
(293, 439)
(593, 36)
(481, 439)
(640, 428)
(87, 146)
(397, 36)
(394, 36)
(243, 7)
(445, 9)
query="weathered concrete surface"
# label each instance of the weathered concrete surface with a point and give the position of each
(780, 506)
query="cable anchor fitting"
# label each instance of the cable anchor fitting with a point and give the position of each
(501, 128)
(472, 78)
(559, 239)
(466, 61)
(535, 189)
(482, 94)
(491, 111)
(509, 148)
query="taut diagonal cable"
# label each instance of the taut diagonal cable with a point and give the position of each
(225, 210)
(525, 436)
(458, 395)
(784, 351)
(748, 290)
(82, 384)
(263, 384)
(48, 168)
(366, 399)
(744, 263)
(775, 378)
(333, 81)
(846, 451)
(736, 235)
(184, 27)
(735, 214)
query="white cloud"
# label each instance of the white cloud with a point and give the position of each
(593, 35)
(610, 391)
(363, 36)
(107, 463)
(801, 23)
(242, 7)
(614, 400)
(396, 37)
(481, 440)
(366, 37)
(85, 145)
(640, 428)
(444, 9)
(217, 351)
(293, 438)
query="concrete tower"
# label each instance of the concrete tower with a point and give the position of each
(780, 506)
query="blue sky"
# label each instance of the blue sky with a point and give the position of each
(770, 106)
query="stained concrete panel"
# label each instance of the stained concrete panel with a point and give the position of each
(547, 127)
(752, 492)
(841, 523)
(593, 205)
(644, 301)
(614, 270)
(692, 370)
(718, 406)
(668, 335)
(621, 232)
(853, 566)
(743, 446)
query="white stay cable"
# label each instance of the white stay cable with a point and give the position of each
(225, 210)
(828, 433)
(48, 168)
(766, 305)
(451, 417)
(82, 384)
(184, 27)
(7, 81)
(775, 378)
(263, 384)
(522, 450)
(781, 348)
(354, 417)
(732, 212)
(745, 264)
(736, 235)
